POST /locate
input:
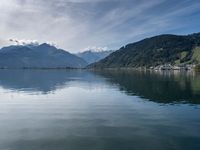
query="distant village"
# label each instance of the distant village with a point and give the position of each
(174, 67)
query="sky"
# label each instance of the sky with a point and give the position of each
(77, 25)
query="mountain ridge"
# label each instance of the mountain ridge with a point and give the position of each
(154, 51)
(93, 56)
(41, 56)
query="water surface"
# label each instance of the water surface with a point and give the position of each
(101, 110)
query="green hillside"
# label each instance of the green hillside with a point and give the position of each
(158, 50)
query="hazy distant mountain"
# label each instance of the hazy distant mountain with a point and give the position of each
(38, 56)
(155, 51)
(94, 56)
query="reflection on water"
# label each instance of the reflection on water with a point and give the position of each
(42, 81)
(110, 110)
(163, 87)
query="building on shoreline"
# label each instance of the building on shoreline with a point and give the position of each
(173, 67)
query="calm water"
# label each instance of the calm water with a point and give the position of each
(110, 110)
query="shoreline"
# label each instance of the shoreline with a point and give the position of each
(114, 68)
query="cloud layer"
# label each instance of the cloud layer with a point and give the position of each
(77, 24)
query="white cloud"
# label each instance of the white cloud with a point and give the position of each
(23, 42)
(28, 42)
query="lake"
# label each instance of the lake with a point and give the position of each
(99, 110)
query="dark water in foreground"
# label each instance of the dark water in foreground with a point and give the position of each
(110, 110)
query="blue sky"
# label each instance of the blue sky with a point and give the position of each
(76, 25)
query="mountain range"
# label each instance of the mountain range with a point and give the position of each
(154, 51)
(150, 52)
(38, 56)
(94, 56)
